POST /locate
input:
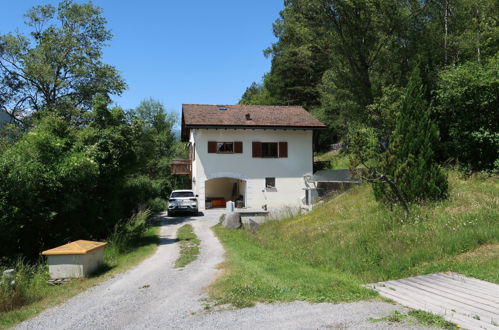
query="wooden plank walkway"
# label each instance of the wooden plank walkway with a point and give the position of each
(466, 301)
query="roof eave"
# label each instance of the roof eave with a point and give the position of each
(255, 127)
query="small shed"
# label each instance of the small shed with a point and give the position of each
(76, 259)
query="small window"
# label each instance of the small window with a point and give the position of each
(269, 183)
(269, 149)
(225, 147)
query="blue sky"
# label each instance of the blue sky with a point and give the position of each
(184, 51)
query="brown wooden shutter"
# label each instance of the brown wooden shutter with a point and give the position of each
(257, 149)
(238, 147)
(212, 147)
(283, 149)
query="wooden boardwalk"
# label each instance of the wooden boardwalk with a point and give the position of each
(468, 302)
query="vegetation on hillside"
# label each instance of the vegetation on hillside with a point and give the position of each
(400, 162)
(348, 62)
(351, 240)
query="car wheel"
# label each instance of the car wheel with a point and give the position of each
(170, 214)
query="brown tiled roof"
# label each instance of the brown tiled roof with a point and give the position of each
(196, 115)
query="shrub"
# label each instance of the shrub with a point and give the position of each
(157, 205)
(26, 287)
(140, 189)
(128, 232)
(468, 108)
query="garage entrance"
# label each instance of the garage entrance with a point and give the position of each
(220, 190)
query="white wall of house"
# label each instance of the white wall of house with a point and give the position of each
(288, 172)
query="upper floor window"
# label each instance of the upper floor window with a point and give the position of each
(225, 147)
(270, 149)
(215, 147)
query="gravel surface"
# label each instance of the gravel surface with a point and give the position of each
(154, 295)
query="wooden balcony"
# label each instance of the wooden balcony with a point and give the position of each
(181, 166)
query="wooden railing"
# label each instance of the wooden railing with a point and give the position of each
(181, 166)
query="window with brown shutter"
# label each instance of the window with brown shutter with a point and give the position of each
(238, 147)
(225, 147)
(283, 149)
(257, 149)
(212, 147)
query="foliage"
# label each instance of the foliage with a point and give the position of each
(257, 94)
(158, 145)
(336, 160)
(157, 205)
(418, 315)
(349, 240)
(9, 134)
(345, 60)
(61, 182)
(21, 292)
(468, 108)
(127, 233)
(189, 246)
(58, 65)
(431, 320)
(409, 161)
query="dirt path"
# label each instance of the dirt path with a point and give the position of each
(154, 295)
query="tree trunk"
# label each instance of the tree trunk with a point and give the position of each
(397, 193)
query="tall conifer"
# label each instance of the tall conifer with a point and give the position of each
(410, 160)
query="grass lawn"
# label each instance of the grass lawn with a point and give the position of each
(336, 160)
(42, 295)
(350, 240)
(189, 246)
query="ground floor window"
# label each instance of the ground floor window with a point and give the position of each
(269, 183)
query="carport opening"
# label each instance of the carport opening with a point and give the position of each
(221, 190)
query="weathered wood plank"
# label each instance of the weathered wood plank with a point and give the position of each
(446, 300)
(463, 321)
(467, 289)
(471, 303)
(458, 292)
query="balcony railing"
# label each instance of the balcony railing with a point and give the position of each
(181, 166)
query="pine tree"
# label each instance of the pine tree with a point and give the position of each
(410, 161)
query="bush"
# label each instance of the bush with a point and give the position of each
(25, 289)
(140, 189)
(128, 232)
(468, 108)
(157, 205)
(60, 183)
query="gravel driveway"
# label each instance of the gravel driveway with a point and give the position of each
(154, 295)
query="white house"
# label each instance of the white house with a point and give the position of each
(256, 156)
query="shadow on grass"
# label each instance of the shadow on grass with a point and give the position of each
(102, 269)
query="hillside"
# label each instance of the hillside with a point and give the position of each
(349, 240)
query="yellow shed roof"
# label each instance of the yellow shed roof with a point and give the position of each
(76, 247)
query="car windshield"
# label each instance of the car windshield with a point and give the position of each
(182, 194)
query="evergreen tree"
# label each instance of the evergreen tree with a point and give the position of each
(410, 160)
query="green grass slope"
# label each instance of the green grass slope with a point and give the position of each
(325, 255)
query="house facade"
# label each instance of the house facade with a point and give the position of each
(256, 156)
